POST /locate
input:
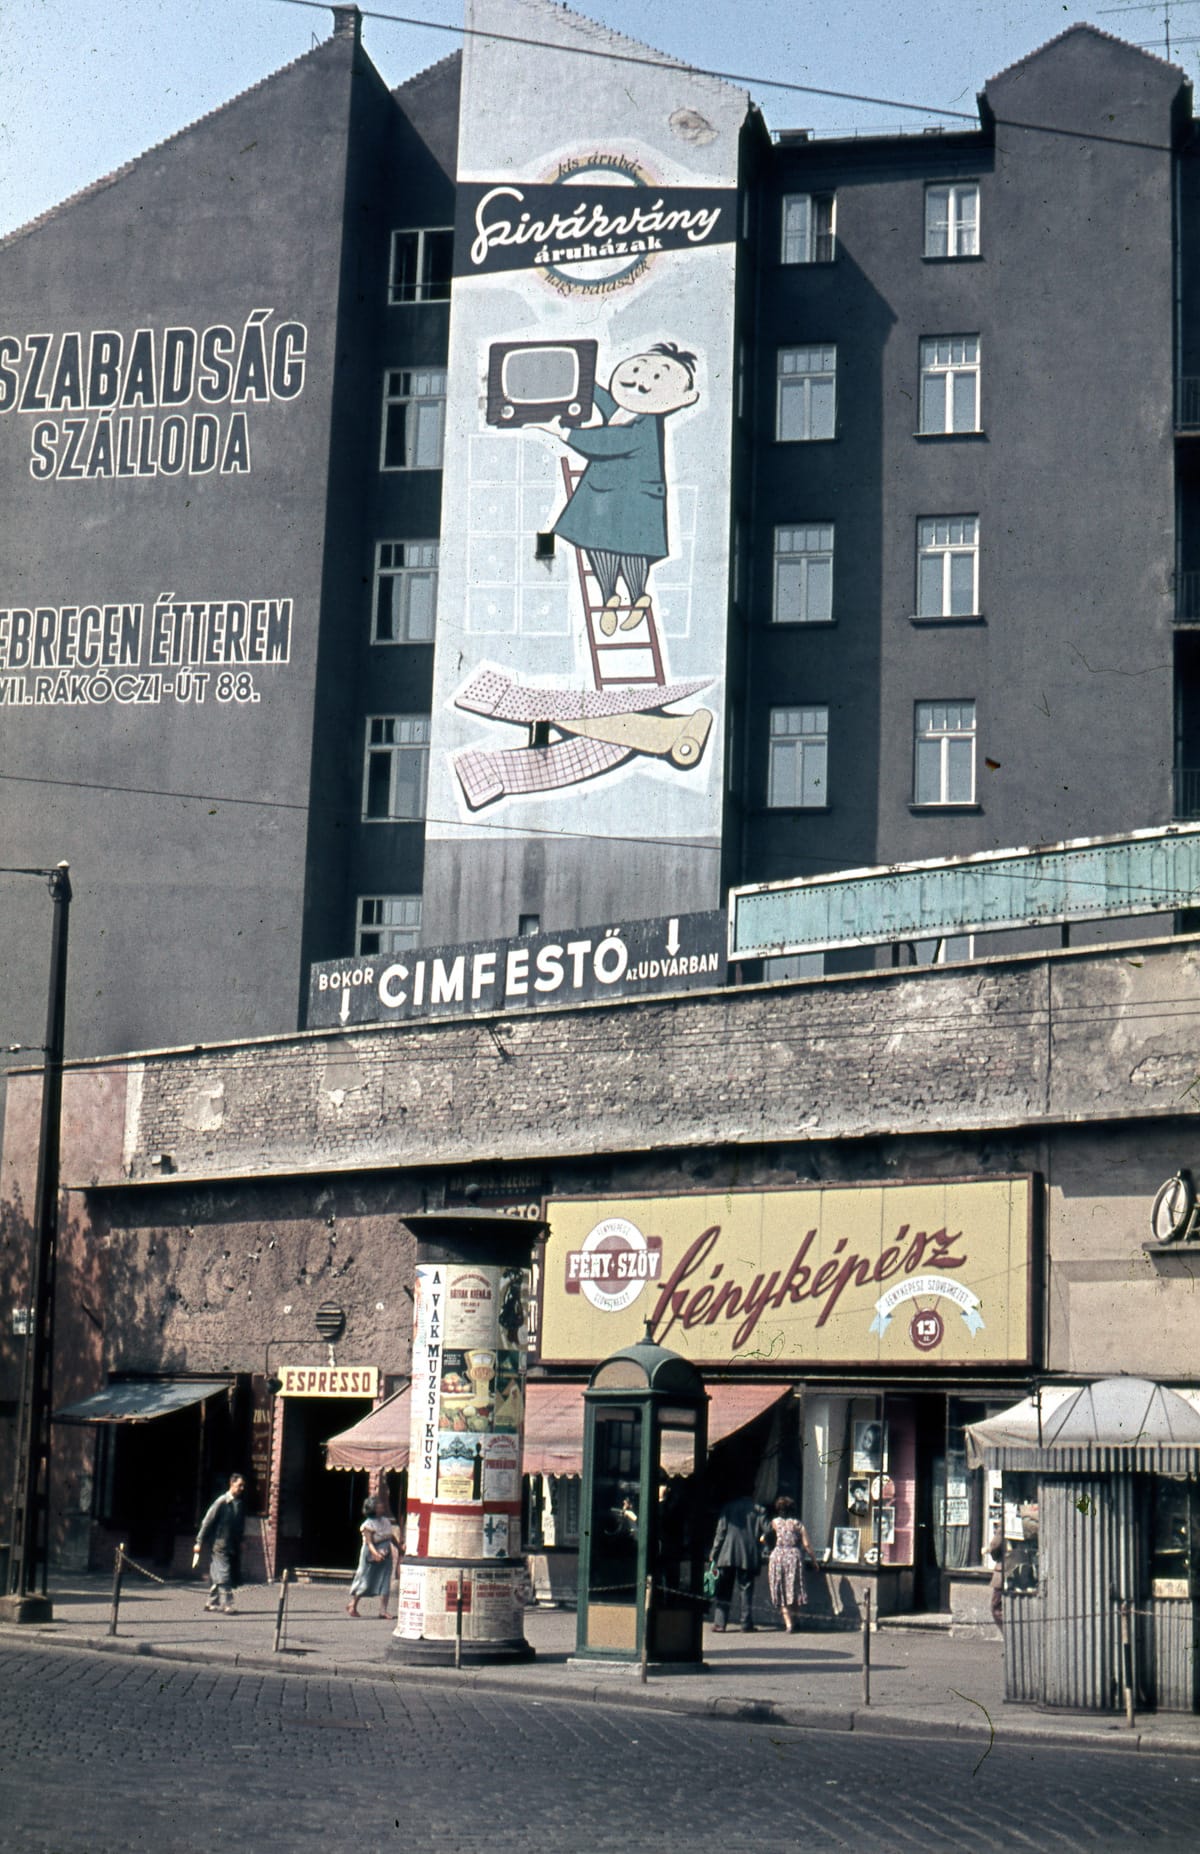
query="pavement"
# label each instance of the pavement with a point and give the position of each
(922, 1680)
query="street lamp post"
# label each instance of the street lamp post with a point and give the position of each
(27, 1599)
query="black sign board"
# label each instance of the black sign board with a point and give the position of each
(536, 972)
(525, 225)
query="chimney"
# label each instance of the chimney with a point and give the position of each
(347, 23)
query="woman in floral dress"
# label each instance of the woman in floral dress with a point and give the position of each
(785, 1569)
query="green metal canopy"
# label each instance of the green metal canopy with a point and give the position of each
(140, 1400)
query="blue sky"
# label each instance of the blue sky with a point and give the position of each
(86, 84)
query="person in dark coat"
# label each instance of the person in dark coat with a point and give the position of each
(222, 1527)
(618, 511)
(737, 1554)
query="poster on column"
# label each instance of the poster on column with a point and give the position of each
(584, 572)
(428, 1317)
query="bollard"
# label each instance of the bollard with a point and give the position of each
(645, 1629)
(1127, 1664)
(458, 1602)
(866, 1645)
(281, 1607)
(118, 1566)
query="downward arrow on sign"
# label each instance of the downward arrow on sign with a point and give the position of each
(673, 935)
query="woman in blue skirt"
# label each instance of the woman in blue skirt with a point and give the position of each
(374, 1574)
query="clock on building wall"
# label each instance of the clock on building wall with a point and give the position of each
(1174, 1212)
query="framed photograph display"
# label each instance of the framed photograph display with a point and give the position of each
(869, 1453)
(858, 1496)
(847, 1545)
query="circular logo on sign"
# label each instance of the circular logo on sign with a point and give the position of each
(614, 264)
(621, 1264)
(926, 1329)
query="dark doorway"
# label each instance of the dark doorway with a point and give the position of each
(931, 1468)
(319, 1511)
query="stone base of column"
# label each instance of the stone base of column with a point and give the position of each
(440, 1653)
(26, 1609)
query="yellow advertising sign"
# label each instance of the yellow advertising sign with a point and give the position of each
(892, 1274)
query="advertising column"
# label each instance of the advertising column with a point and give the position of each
(462, 1580)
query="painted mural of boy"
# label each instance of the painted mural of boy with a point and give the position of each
(618, 511)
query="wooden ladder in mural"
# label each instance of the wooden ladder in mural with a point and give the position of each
(615, 655)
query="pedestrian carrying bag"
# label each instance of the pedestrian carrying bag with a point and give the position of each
(709, 1582)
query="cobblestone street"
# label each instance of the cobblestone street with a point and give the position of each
(104, 1755)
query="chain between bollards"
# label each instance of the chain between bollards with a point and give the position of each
(866, 1645)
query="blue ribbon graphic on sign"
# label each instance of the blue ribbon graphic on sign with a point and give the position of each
(937, 1285)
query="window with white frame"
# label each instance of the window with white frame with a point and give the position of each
(948, 566)
(950, 383)
(421, 266)
(406, 574)
(804, 574)
(387, 923)
(797, 769)
(806, 402)
(414, 416)
(944, 754)
(952, 219)
(808, 228)
(397, 767)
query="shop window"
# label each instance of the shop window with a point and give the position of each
(1020, 1493)
(1175, 1539)
(859, 1480)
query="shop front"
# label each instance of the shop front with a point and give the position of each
(894, 1314)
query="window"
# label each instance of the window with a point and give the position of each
(808, 228)
(406, 574)
(945, 951)
(799, 753)
(388, 923)
(414, 409)
(950, 383)
(944, 770)
(421, 266)
(948, 566)
(807, 394)
(804, 574)
(397, 766)
(952, 220)
(794, 966)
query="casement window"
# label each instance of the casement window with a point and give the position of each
(797, 767)
(406, 575)
(808, 228)
(414, 417)
(944, 753)
(950, 383)
(387, 923)
(806, 398)
(804, 574)
(397, 767)
(952, 219)
(948, 566)
(421, 266)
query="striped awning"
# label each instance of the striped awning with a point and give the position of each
(1116, 1425)
(377, 1443)
(554, 1423)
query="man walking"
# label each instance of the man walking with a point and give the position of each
(223, 1525)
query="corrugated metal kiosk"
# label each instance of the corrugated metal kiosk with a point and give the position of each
(1101, 1506)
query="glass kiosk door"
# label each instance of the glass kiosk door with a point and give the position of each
(616, 1544)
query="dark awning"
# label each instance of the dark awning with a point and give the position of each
(140, 1400)
(554, 1423)
(377, 1443)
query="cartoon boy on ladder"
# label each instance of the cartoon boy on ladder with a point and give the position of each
(618, 511)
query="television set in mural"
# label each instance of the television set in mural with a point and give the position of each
(532, 381)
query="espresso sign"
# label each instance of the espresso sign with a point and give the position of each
(895, 1274)
(329, 1381)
